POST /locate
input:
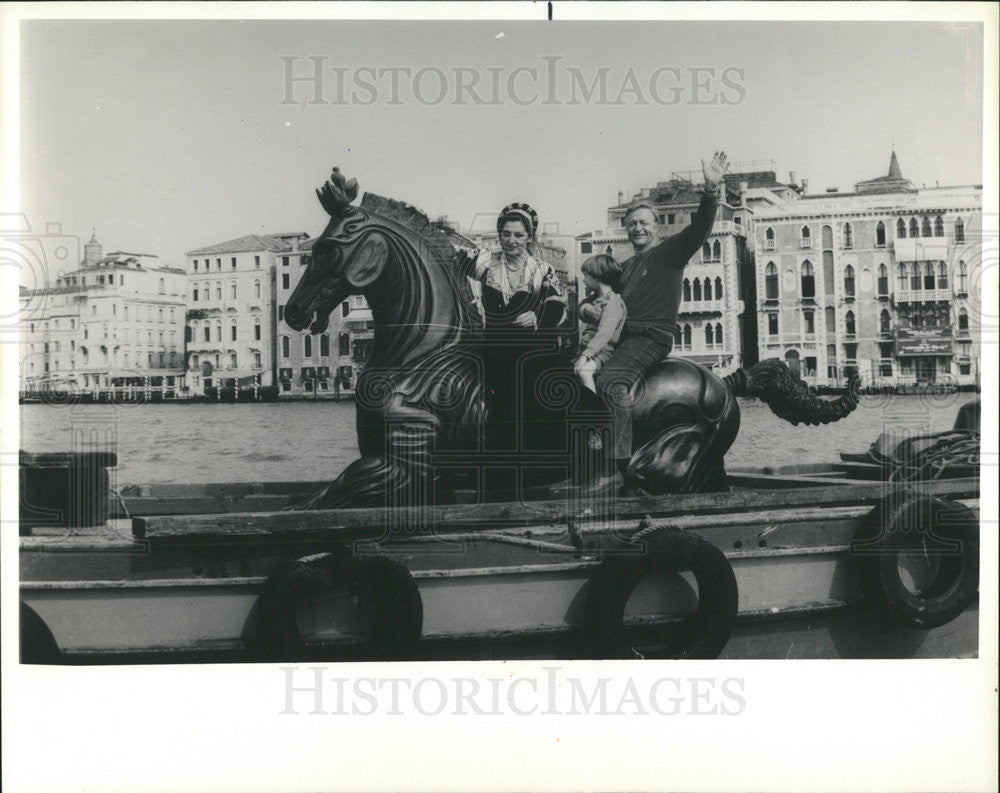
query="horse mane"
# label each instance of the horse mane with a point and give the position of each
(411, 218)
(417, 222)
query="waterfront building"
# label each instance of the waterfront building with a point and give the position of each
(716, 318)
(115, 322)
(232, 340)
(878, 281)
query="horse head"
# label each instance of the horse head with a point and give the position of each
(392, 254)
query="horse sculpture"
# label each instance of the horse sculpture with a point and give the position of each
(420, 397)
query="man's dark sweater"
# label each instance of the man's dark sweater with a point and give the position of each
(650, 283)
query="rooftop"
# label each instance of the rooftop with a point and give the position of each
(276, 243)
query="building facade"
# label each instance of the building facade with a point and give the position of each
(113, 324)
(877, 281)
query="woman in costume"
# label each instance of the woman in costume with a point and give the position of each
(530, 387)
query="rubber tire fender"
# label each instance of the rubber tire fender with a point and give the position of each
(38, 645)
(916, 521)
(668, 550)
(396, 602)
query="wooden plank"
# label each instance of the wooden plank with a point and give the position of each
(66, 459)
(404, 521)
(783, 482)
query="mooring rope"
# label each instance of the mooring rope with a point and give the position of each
(950, 453)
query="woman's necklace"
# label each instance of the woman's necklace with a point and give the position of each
(518, 265)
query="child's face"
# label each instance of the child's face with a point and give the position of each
(590, 282)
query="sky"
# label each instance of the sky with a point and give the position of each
(165, 136)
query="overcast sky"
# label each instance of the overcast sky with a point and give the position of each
(167, 136)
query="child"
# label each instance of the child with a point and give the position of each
(603, 316)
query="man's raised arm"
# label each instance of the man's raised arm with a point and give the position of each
(687, 242)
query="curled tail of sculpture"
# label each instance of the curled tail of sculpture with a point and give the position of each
(773, 383)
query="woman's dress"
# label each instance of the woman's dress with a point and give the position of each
(536, 406)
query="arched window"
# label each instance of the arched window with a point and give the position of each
(849, 281)
(809, 320)
(708, 288)
(849, 325)
(709, 336)
(687, 337)
(959, 230)
(718, 334)
(218, 290)
(914, 229)
(884, 322)
(218, 330)
(848, 236)
(697, 289)
(607, 250)
(686, 290)
(914, 277)
(285, 347)
(207, 333)
(827, 232)
(805, 240)
(324, 345)
(706, 252)
(307, 346)
(718, 289)
(232, 330)
(808, 279)
(963, 319)
(942, 280)
(232, 290)
(883, 280)
(771, 282)
(256, 328)
(207, 293)
(344, 342)
(880, 234)
(963, 275)
(938, 226)
(900, 229)
(717, 251)
(256, 287)
(769, 234)
(929, 276)
(925, 227)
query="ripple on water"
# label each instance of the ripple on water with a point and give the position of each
(312, 441)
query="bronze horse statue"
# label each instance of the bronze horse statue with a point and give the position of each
(420, 400)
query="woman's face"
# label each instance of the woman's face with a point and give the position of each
(514, 239)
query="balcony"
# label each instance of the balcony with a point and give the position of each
(805, 242)
(701, 307)
(768, 245)
(922, 296)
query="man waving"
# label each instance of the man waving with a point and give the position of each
(650, 285)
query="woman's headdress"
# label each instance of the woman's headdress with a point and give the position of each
(522, 212)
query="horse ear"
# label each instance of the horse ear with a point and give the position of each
(367, 264)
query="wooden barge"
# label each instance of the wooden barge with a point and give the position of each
(823, 561)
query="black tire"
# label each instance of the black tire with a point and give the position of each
(703, 635)
(38, 645)
(945, 536)
(383, 584)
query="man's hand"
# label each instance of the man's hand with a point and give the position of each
(715, 170)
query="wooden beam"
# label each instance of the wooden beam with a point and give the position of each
(397, 523)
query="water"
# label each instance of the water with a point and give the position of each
(316, 440)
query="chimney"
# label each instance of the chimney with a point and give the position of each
(792, 178)
(621, 197)
(805, 186)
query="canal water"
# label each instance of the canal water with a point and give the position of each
(203, 443)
